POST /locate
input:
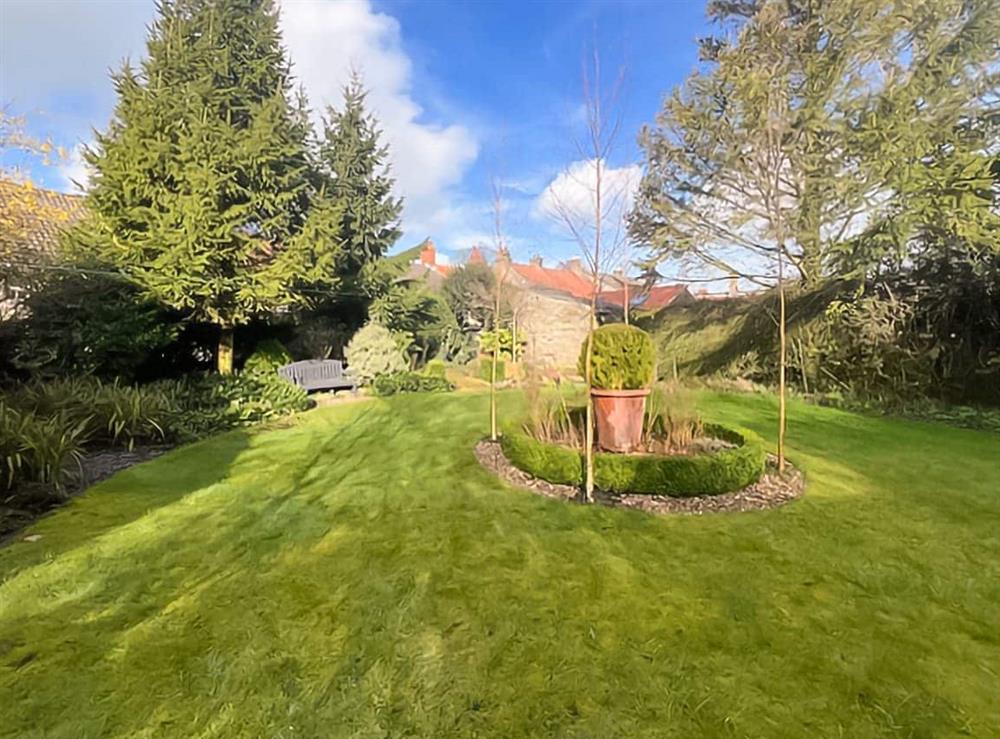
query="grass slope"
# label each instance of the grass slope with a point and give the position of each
(359, 575)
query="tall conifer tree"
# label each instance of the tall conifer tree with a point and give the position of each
(202, 194)
(356, 164)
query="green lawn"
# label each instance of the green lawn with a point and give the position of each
(359, 575)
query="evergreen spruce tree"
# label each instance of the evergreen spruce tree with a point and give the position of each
(355, 163)
(202, 193)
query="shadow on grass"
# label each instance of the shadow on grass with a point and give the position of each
(136, 492)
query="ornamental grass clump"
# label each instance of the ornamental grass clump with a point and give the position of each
(671, 422)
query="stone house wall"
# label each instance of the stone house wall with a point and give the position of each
(553, 326)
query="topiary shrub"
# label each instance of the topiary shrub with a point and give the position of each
(373, 351)
(267, 357)
(677, 475)
(624, 358)
(409, 382)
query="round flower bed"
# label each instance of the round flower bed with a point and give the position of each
(724, 471)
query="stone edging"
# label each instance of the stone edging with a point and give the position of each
(770, 491)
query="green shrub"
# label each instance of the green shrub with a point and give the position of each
(373, 351)
(205, 404)
(90, 323)
(624, 358)
(409, 382)
(677, 475)
(436, 368)
(267, 357)
(485, 369)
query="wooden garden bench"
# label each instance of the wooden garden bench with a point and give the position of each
(319, 374)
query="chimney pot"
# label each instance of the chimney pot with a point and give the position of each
(428, 255)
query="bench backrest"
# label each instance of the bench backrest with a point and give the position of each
(310, 370)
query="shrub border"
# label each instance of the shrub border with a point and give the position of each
(676, 475)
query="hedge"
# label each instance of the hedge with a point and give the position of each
(409, 382)
(550, 462)
(676, 475)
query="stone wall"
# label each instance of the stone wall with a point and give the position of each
(553, 326)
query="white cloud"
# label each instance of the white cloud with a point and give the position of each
(573, 191)
(51, 47)
(54, 58)
(74, 171)
(325, 39)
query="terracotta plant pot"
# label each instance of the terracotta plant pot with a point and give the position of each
(620, 414)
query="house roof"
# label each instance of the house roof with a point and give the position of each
(40, 215)
(563, 280)
(651, 299)
(420, 272)
(660, 296)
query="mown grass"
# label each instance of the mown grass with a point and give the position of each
(359, 575)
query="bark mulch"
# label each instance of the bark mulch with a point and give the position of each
(28, 502)
(771, 491)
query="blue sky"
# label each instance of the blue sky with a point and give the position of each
(465, 89)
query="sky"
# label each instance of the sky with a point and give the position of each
(466, 92)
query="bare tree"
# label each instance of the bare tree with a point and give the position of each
(501, 273)
(596, 223)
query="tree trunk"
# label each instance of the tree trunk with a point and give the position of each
(782, 362)
(625, 283)
(224, 355)
(493, 369)
(513, 337)
(588, 433)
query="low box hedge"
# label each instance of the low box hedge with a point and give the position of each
(677, 475)
(409, 382)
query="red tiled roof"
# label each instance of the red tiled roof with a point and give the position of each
(661, 296)
(562, 280)
(657, 297)
(617, 297)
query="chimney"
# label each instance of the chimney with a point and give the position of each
(428, 254)
(476, 256)
(734, 287)
(575, 265)
(503, 256)
(536, 261)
